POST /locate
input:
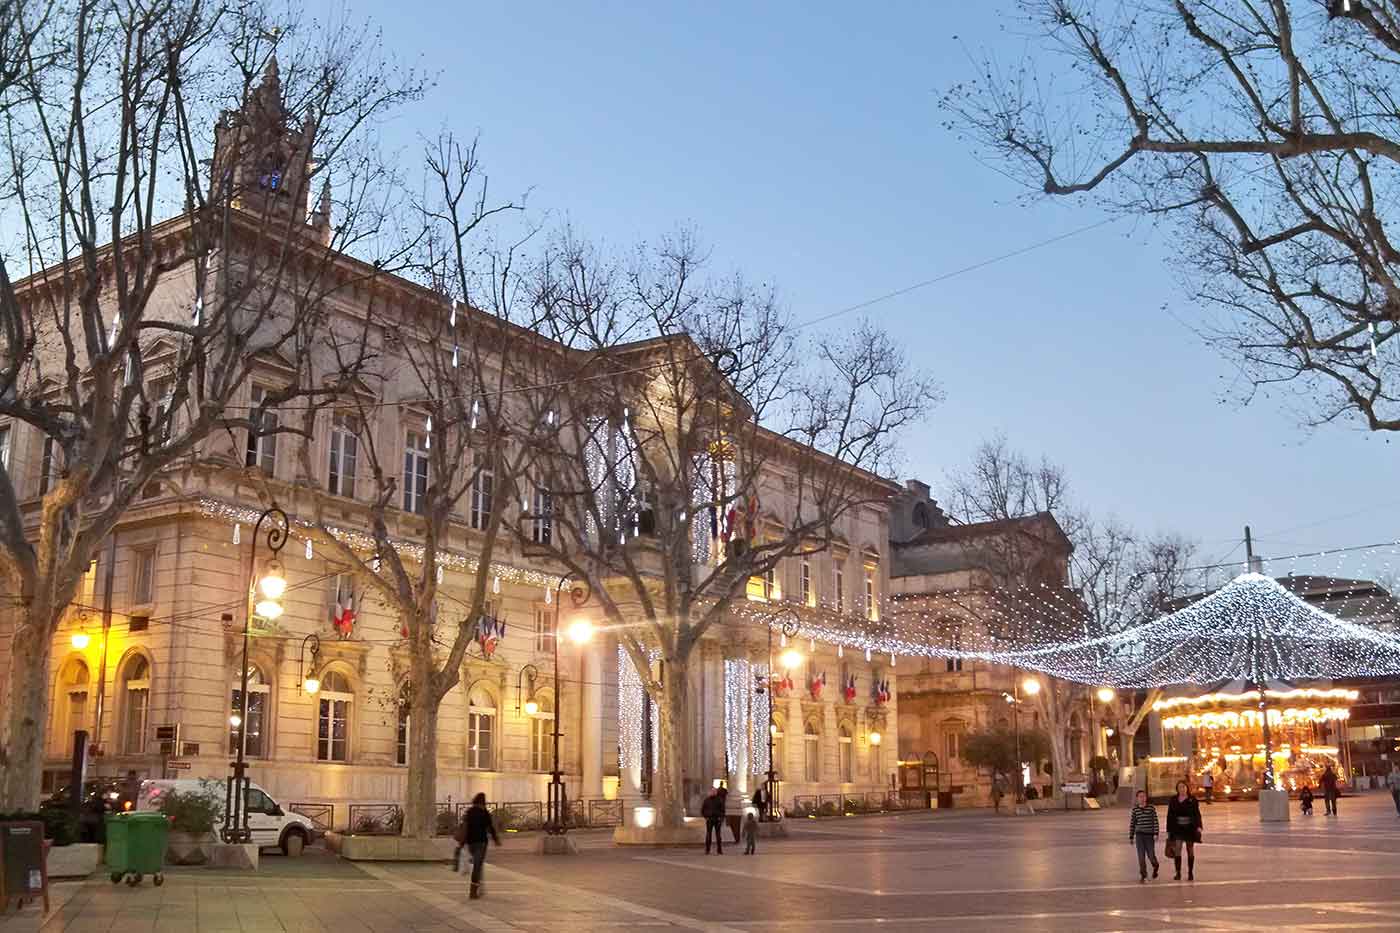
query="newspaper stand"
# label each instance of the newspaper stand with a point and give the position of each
(24, 872)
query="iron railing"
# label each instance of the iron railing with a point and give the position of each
(376, 819)
(321, 815)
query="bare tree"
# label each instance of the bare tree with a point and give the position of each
(668, 491)
(1113, 579)
(1265, 134)
(446, 373)
(150, 283)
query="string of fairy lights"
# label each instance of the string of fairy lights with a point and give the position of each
(1252, 627)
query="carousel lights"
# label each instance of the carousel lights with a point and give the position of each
(1249, 717)
(1252, 697)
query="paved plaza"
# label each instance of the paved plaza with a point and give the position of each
(955, 871)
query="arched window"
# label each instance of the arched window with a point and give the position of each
(73, 697)
(542, 735)
(253, 727)
(481, 730)
(847, 755)
(811, 752)
(401, 738)
(136, 695)
(333, 718)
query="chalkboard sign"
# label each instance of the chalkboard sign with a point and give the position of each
(22, 870)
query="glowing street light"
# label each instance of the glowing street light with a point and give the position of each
(274, 580)
(580, 631)
(81, 640)
(1106, 694)
(791, 659)
(1031, 686)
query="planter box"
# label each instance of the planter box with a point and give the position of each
(391, 848)
(233, 856)
(75, 861)
(189, 848)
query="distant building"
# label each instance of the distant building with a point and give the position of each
(946, 575)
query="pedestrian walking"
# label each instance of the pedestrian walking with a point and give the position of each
(713, 812)
(1329, 790)
(1392, 780)
(998, 792)
(760, 803)
(477, 828)
(750, 833)
(1183, 829)
(1305, 799)
(1208, 782)
(1143, 829)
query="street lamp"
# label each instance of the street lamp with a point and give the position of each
(268, 592)
(308, 680)
(530, 672)
(791, 659)
(1031, 685)
(1106, 695)
(81, 640)
(580, 632)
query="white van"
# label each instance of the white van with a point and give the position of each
(269, 823)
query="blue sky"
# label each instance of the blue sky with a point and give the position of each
(805, 144)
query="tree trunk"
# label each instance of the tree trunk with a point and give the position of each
(22, 752)
(420, 799)
(668, 783)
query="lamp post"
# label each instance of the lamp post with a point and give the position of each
(580, 631)
(789, 628)
(270, 588)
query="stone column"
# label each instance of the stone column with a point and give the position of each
(591, 731)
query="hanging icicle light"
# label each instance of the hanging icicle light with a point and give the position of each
(867, 655)
(1372, 328)
(476, 409)
(782, 643)
(439, 573)
(496, 585)
(454, 356)
(428, 439)
(308, 549)
(840, 651)
(198, 317)
(548, 596)
(452, 315)
(237, 533)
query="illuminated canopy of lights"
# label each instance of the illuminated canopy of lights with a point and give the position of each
(1251, 628)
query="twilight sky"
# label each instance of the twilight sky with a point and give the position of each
(804, 143)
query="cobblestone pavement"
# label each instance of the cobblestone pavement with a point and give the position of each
(973, 872)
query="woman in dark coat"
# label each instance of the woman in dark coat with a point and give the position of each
(1184, 825)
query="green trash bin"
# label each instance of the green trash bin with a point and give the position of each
(136, 846)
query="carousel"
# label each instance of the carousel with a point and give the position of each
(1223, 734)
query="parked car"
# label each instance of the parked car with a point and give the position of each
(100, 797)
(269, 822)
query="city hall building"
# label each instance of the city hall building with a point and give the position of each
(149, 659)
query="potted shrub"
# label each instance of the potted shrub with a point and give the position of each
(192, 817)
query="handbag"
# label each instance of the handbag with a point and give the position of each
(460, 836)
(1172, 849)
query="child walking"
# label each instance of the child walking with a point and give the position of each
(1142, 830)
(750, 833)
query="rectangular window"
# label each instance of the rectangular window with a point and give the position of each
(143, 569)
(160, 395)
(811, 758)
(955, 642)
(332, 730)
(5, 447)
(415, 473)
(345, 453)
(541, 742)
(480, 726)
(839, 583)
(257, 707)
(401, 746)
(872, 595)
(770, 584)
(262, 446)
(542, 525)
(953, 745)
(544, 628)
(482, 499)
(809, 596)
(847, 760)
(48, 467)
(138, 697)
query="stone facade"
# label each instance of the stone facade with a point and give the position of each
(155, 639)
